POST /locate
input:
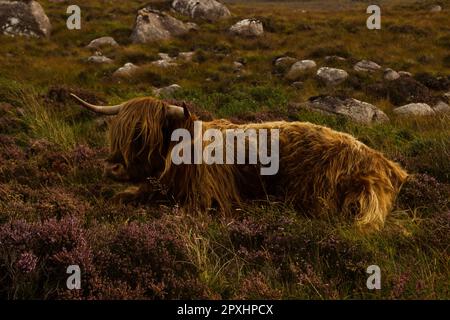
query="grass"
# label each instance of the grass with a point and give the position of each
(55, 207)
(45, 125)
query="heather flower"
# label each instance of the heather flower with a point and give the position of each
(424, 191)
(27, 262)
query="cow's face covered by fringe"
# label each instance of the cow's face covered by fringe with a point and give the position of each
(139, 137)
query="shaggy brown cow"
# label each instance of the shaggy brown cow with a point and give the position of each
(320, 170)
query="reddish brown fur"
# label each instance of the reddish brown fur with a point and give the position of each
(321, 170)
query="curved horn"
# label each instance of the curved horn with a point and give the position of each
(107, 110)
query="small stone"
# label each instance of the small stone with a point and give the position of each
(405, 74)
(299, 68)
(391, 75)
(435, 9)
(186, 56)
(248, 28)
(102, 42)
(332, 76)
(99, 59)
(164, 63)
(167, 91)
(441, 107)
(334, 58)
(284, 63)
(237, 65)
(192, 26)
(126, 71)
(366, 66)
(297, 84)
(414, 109)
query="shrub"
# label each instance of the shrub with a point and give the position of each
(150, 260)
(424, 191)
(34, 257)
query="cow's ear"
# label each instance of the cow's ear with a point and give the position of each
(186, 112)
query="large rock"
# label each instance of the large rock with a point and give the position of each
(332, 76)
(210, 10)
(102, 42)
(299, 68)
(23, 18)
(414, 109)
(248, 28)
(366, 66)
(353, 109)
(154, 25)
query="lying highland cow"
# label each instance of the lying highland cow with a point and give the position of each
(320, 170)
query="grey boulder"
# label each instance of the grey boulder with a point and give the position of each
(299, 68)
(332, 76)
(391, 75)
(358, 111)
(167, 91)
(126, 71)
(441, 107)
(366, 66)
(153, 25)
(23, 18)
(210, 10)
(414, 109)
(248, 28)
(102, 42)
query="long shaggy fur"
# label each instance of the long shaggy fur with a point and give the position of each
(321, 170)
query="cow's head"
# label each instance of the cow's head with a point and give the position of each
(139, 136)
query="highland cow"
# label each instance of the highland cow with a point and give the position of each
(321, 171)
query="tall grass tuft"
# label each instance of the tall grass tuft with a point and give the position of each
(45, 123)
